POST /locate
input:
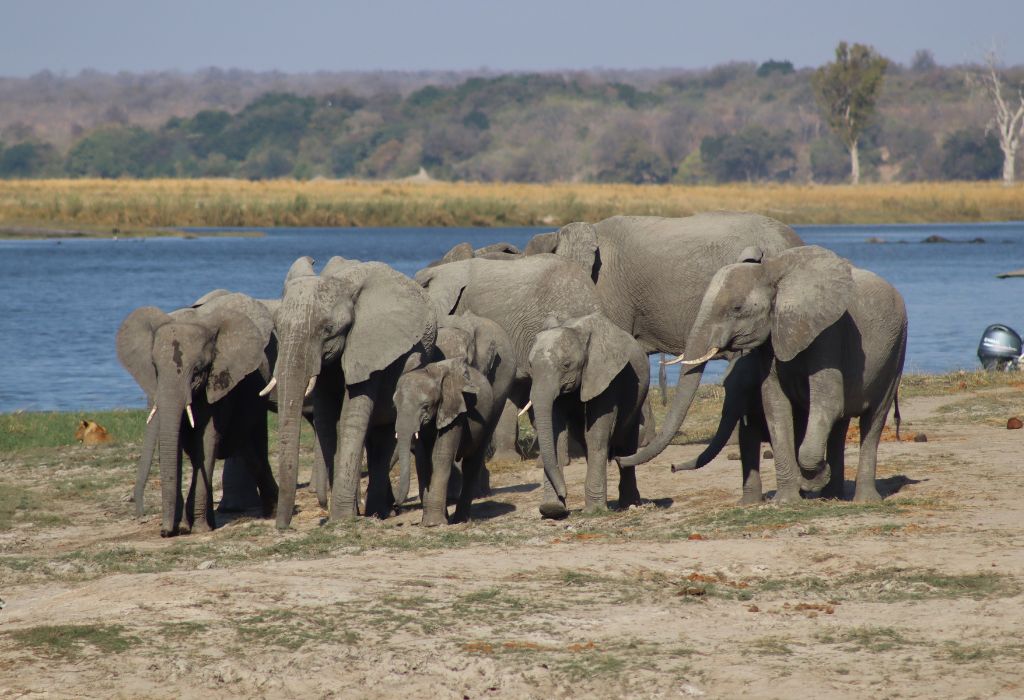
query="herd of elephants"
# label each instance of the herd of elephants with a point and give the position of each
(435, 371)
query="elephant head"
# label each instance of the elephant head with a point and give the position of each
(189, 356)
(578, 356)
(350, 321)
(789, 299)
(576, 241)
(432, 399)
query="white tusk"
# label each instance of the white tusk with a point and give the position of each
(188, 412)
(699, 360)
(675, 361)
(309, 387)
(416, 435)
(396, 436)
(525, 408)
(269, 387)
(152, 413)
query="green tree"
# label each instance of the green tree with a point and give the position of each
(752, 154)
(971, 154)
(28, 159)
(846, 91)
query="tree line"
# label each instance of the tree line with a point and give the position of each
(735, 122)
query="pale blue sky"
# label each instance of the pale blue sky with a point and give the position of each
(66, 36)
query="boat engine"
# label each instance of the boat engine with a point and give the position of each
(1000, 349)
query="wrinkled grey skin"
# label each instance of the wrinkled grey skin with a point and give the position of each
(519, 295)
(212, 358)
(487, 348)
(588, 372)
(651, 273)
(838, 338)
(741, 407)
(446, 411)
(355, 327)
(464, 251)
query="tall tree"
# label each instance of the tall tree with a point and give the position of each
(1008, 121)
(846, 91)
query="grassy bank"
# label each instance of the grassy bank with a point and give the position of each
(168, 203)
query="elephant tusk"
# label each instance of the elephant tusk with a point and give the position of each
(269, 387)
(396, 436)
(149, 418)
(416, 435)
(309, 387)
(525, 408)
(699, 360)
(191, 418)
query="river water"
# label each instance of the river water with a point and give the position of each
(61, 301)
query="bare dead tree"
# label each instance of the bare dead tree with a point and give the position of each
(1008, 121)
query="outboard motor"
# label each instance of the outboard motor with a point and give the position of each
(1000, 348)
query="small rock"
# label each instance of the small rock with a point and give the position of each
(695, 536)
(733, 456)
(208, 564)
(753, 608)
(768, 454)
(1014, 424)
(875, 239)
(935, 238)
(920, 437)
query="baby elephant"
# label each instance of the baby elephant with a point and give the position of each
(589, 376)
(445, 411)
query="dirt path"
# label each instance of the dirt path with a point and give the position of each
(921, 596)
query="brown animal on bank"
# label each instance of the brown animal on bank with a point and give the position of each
(90, 432)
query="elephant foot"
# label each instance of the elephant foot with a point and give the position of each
(595, 507)
(459, 516)
(483, 484)
(433, 520)
(833, 491)
(787, 496)
(170, 532)
(554, 510)
(201, 526)
(751, 499)
(629, 498)
(867, 495)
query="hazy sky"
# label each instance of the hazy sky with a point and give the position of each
(308, 35)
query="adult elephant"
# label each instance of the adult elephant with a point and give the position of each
(650, 275)
(518, 294)
(834, 337)
(344, 338)
(201, 370)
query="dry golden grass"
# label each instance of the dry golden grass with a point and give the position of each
(220, 203)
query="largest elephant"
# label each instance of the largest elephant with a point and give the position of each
(344, 337)
(651, 274)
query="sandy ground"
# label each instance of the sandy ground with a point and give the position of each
(688, 596)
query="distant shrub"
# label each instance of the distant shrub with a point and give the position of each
(772, 66)
(971, 154)
(751, 154)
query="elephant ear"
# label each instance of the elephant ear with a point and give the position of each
(542, 243)
(578, 242)
(813, 289)
(303, 267)
(239, 351)
(444, 284)
(456, 381)
(607, 353)
(391, 315)
(135, 345)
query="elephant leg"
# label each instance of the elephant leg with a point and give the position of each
(434, 477)
(145, 466)
(871, 424)
(203, 519)
(319, 481)
(836, 455)
(380, 446)
(326, 415)
(424, 469)
(352, 425)
(256, 457)
(750, 459)
(779, 415)
(506, 434)
(472, 467)
(598, 442)
(239, 491)
(825, 406)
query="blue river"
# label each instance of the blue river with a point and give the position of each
(61, 301)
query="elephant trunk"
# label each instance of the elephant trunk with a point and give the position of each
(293, 376)
(145, 466)
(732, 411)
(406, 429)
(686, 390)
(171, 404)
(545, 416)
(435, 499)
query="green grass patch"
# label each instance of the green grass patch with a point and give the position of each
(67, 641)
(871, 638)
(21, 506)
(292, 629)
(26, 430)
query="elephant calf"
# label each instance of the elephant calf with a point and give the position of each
(591, 376)
(446, 411)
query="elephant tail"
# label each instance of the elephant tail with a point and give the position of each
(896, 414)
